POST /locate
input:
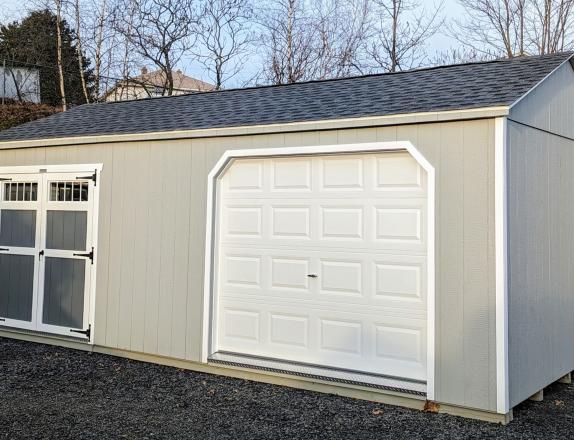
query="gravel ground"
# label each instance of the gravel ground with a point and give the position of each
(54, 393)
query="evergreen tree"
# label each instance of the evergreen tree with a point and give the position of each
(32, 42)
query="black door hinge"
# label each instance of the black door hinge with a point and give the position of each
(90, 255)
(93, 177)
(87, 332)
(2, 179)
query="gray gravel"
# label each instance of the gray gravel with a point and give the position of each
(55, 393)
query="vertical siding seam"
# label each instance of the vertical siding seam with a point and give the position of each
(148, 229)
(110, 204)
(188, 245)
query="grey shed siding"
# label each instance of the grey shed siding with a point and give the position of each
(152, 241)
(540, 238)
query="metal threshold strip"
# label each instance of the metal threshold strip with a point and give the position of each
(321, 373)
(41, 333)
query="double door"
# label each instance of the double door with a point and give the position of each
(47, 252)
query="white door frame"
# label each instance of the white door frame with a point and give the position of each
(210, 236)
(87, 169)
(31, 251)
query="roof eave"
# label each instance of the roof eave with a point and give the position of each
(332, 124)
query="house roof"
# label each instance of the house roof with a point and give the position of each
(464, 86)
(181, 82)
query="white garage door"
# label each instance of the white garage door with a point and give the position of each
(321, 260)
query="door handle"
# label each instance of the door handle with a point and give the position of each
(90, 255)
(312, 275)
(4, 250)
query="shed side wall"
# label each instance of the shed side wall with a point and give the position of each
(152, 233)
(540, 259)
(549, 106)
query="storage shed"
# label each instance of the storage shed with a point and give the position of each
(401, 237)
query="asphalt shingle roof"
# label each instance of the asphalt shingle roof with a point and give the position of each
(457, 87)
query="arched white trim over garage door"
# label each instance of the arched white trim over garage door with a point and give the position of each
(320, 262)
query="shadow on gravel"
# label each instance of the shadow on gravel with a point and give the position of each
(55, 393)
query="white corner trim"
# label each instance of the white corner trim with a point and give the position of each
(500, 208)
(210, 231)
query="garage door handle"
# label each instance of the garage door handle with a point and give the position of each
(312, 275)
(4, 250)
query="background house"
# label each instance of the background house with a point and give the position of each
(20, 84)
(153, 84)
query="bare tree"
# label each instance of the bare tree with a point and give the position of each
(58, 4)
(458, 55)
(404, 26)
(224, 37)
(80, 51)
(100, 40)
(288, 39)
(161, 31)
(313, 40)
(343, 27)
(492, 26)
(516, 27)
(551, 25)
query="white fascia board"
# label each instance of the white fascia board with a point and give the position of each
(333, 124)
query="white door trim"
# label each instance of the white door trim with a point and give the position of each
(224, 162)
(68, 168)
(501, 258)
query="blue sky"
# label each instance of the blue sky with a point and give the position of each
(14, 9)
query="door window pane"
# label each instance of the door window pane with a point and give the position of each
(66, 230)
(16, 286)
(18, 228)
(68, 191)
(64, 292)
(20, 191)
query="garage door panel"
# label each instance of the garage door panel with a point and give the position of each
(245, 176)
(243, 221)
(381, 345)
(323, 261)
(395, 281)
(291, 175)
(341, 277)
(290, 273)
(289, 330)
(400, 282)
(241, 270)
(342, 223)
(292, 221)
(342, 173)
(398, 171)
